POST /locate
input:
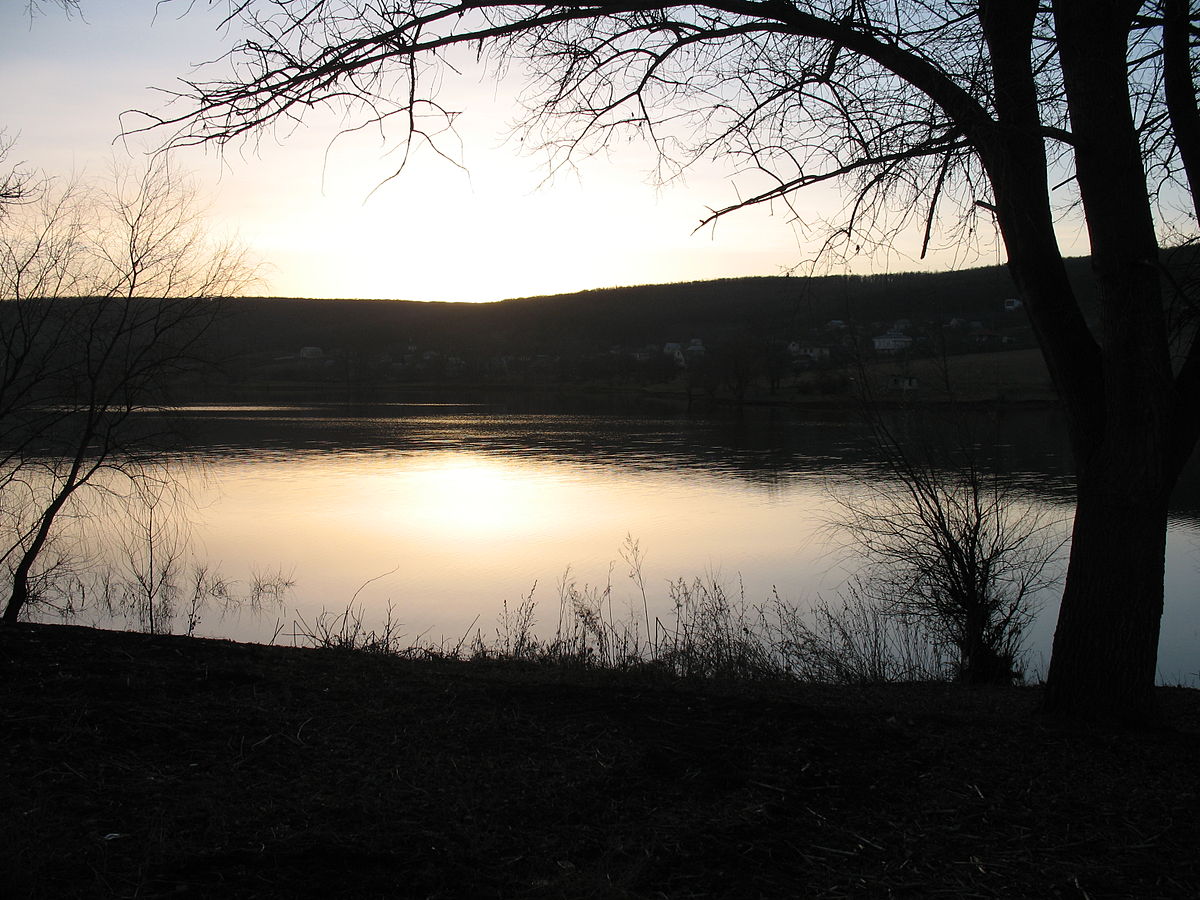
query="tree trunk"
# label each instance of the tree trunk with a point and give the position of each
(20, 582)
(1106, 644)
(20, 579)
(18, 598)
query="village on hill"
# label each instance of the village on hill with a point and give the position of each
(736, 340)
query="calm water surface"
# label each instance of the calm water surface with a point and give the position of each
(445, 511)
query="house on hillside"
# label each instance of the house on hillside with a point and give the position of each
(891, 342)
(814, 353)
(645, 354)
(987, 337)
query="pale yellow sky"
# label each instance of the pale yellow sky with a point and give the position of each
(304, 203)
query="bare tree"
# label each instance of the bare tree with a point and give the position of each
(947, 541)
(17, 184)
(949, 115)
(16, 181)
(36, 7)
(106, 298)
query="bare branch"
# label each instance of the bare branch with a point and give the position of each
(106, 295)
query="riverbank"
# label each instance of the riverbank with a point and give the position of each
(1009, 379)
(156, 766)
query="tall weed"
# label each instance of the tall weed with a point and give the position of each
(707, 632)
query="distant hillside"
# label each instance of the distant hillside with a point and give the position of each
(739, 340)
(780, 307)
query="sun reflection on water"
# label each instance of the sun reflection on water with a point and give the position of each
(446, 518)
(466, 497)
(457, 532)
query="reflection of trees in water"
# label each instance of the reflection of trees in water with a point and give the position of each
(768, 447)
(764, 446)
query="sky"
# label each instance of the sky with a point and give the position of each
(313, 207)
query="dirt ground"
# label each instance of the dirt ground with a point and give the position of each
(139, 766)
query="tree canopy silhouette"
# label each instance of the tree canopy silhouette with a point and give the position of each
(945, 115)
(106, 294)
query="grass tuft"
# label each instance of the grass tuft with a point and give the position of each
(711, 633)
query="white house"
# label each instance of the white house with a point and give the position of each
(892, 342)
(816, 354)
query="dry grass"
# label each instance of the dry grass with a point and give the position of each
(156, 766)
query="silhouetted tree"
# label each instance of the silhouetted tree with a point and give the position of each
(947, 542)
(105, 297)
(920, 110)
(777, 362)
(739, 360)
(15, 181)
(16, 184)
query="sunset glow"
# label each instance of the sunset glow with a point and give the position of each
(468, 499)
(447, 535)
(319, 211)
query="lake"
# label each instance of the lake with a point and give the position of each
(445, 511)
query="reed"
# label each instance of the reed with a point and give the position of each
(710, 631)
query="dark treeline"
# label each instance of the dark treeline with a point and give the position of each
(730, 336)
(613, 335)
(628, 316)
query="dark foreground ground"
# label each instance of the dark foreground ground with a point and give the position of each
(137, 766)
